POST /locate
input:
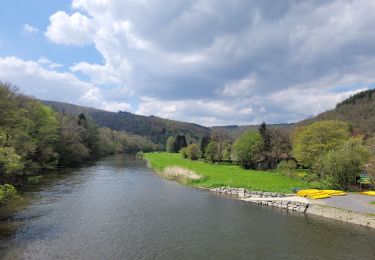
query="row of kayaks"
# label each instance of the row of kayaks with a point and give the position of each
(370, 193)
(320, 194)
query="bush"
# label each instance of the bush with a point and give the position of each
(139, 154)
(7, 191)
(34, 179)
(341, 166)
(287, 168)
(211, 152)
(183, 152)
(193, 152)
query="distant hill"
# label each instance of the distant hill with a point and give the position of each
(155, 128)
(358, 110)
(235, 131)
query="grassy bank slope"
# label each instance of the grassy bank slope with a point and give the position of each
(226, 175)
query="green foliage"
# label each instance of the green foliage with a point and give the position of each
(140, 154)
(34, 179)
(358, 110)
(367, 94)
(7, 191)
(266, 137)
(193, 152)
(211, 152)
(183, 152)
(310, 142)
(343, 164)
(170, 144)
(71, 147)
(204, 143)
(247, 147)
(287, 168)
(216, 175)
(154, 129)
(10, 161)
(220, 139)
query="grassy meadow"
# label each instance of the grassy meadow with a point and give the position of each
(217, 175)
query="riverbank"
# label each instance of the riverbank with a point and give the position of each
(218, 175)
(261, 187)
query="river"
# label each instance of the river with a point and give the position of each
(117, 208)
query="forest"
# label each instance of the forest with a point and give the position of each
(33, 138)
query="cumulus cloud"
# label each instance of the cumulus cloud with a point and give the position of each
(48, 84)
(218, 62)
(75, 29)
(28, 29)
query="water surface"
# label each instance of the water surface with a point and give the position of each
(117, 208)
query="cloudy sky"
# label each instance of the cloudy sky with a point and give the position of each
(211, 62)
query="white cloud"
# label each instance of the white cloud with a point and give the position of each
(76, 29)
(47, 84)
(52, 65)
(222, 62)
(28, 29)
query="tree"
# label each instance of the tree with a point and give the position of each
(247, 147)
(310, 142)
(90, 135)
(280, 143)
(170, 144)
(220, 138)
(266, 137)
(343, 164)
(211, 152)
(71, 147)
(193, 151)
(204, 143)
(179, 143)
(370, 165)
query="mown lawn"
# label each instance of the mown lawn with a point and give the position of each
(227, 175)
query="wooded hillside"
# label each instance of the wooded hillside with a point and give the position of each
(358, 110)
(155, 128)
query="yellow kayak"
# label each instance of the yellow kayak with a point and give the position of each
(320, 194)
(370, 193)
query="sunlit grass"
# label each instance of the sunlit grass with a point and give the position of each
(216, 175)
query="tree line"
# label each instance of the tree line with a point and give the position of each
(34, 137)
(331, 151)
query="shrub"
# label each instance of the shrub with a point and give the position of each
(7, 191)
(139, 154)
(170, 144)
(342, 165)
(287, 168)
(211, 152)
(193, 152)
(183, 152)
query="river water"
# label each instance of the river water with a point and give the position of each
(117, 208)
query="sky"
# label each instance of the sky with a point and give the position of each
(211, 62)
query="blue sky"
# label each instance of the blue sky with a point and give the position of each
(208, 62)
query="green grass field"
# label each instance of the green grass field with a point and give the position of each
(215, 175)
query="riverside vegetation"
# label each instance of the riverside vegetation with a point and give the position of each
(33, 138)
(328, 153)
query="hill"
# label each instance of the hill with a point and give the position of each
(234, 131)
(358, 110)
(156, 128)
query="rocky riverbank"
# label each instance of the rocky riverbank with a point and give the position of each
(272, 199)
(302, 205)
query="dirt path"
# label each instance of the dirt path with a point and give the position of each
(353, 202)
